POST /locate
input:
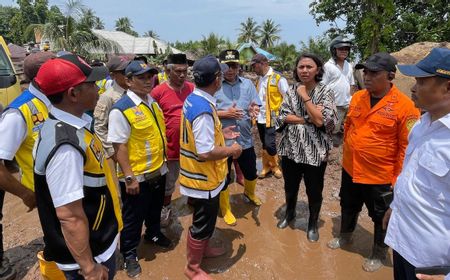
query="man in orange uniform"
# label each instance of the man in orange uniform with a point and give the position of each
(375, 138)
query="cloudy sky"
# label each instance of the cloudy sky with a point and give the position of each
(185, 20)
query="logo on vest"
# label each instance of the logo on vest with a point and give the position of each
(38, 121)
(97, 151)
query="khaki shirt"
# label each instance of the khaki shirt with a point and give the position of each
(101, 114)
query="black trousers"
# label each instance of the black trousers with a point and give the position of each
(204, 217)
(355, 195)
(267, 137)
(247, 163)
(314, 177)
(403, 270)
(146, 206)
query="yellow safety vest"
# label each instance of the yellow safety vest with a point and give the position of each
(162, 77)
(274, 98)
(195, 173)
(34, 113)
(147, 142)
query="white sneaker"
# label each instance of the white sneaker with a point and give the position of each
(165, 215)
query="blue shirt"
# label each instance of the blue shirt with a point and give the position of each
(243, 93)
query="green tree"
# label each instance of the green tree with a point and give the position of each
(151, 33)
(248, 32)
(268, 33)
(55, 16)
(124, 24)
(88, 18)
(7, 29)
(72, 35)
(41, 8)
(370, 21)
(98, 23)
(212, 44)
(318, 46)
(286, 55)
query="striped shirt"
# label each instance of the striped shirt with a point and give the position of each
(306, 143)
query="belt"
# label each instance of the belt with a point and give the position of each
(152, 177)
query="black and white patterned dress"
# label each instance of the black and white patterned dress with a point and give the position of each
(306, 143)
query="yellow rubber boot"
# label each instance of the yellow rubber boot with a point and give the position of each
(265, 165)
(225, 208)
(49, 270)
(275, 168)
(249, 192)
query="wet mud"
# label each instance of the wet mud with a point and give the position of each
(257, 249)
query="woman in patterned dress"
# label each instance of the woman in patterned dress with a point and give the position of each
(306, 120)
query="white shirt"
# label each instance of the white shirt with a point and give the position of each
(339, 80)
(419, 227)
(203, 130)
(283, 87)
(119, 130)
(13, 129)
(64, 175)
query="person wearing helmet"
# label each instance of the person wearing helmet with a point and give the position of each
(339, 78)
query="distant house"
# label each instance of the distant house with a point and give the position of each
(248, 50)
(129, 44)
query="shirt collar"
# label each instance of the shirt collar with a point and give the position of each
(137, 100)
(84, 121)
(36, 92)
(211, 99)
(270, 72)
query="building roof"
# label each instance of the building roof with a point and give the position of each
(257, 49)
(129, 44)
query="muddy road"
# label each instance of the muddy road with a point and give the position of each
(257, 249)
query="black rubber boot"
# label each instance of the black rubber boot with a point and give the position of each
(379, 250)
(348, 225)
(291, 202)
(313, 230)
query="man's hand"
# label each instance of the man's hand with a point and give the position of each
(235, 113)
(386, 218)
(253, 110)
(132, 188)
(98, 272)
(229, 133)
(430, 277)
(29, 199)
(236, 150)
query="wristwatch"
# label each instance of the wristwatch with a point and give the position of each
(129, 179)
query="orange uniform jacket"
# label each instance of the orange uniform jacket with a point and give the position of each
(375, 138)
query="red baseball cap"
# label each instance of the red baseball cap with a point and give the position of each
(59, 74)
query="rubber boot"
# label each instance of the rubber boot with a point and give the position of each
(195, 250)
(313, 229)
(249, 192)
(225, 208)
(239, 175)
(265, 165)
(213, 252)
(379, 250)
(348, 225)
(275, 168)
(291, 202)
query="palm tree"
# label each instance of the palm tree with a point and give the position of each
(286, 55)
(269, 33)
(99, 24)
(248, 33)
(212, 44)
(88, 18)
(72, 35)
(151, 33)
(124, 24)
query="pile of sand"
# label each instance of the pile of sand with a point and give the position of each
(411, 55)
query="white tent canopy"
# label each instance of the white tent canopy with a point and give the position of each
(129, 44)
